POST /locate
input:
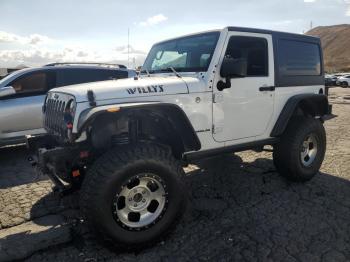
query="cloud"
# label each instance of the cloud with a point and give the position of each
(37, 57)
(347, 2)
(33, 39)
(28, 57)
(37, 50)
(37, 39)
(153, 20)
(132, 51)
(42, 56)
(82, 54)
(8, 37)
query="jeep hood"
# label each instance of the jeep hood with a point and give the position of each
(127, 88)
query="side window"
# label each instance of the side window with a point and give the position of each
(298, 58)
(79, 76)
(107, 74)
(254, 50)
(66, 77)
(33, 83)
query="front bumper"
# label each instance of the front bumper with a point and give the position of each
(64, 165)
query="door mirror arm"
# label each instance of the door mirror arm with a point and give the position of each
(221, 85)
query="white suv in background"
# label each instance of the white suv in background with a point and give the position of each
(344, 81)
(22, 94)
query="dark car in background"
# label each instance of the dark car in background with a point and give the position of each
(22, 94)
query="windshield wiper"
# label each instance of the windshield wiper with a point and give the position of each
(172, 69)
(147, 72)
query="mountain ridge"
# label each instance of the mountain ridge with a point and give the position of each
(335, 41)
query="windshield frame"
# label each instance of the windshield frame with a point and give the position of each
(149, 60)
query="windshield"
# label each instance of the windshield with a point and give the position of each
(9, 76)
(187, 54)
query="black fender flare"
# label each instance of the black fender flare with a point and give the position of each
(172, 113)
(315, 105)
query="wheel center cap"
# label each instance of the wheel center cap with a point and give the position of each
(137, 197)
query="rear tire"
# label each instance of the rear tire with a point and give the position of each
(121, 187)
(300, 153)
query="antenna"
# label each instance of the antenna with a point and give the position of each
(128, 46)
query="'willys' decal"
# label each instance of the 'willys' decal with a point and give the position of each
(146, 90)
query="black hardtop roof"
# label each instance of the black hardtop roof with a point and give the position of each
(278, 34)
(275, 34)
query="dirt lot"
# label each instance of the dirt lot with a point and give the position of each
(240, 210)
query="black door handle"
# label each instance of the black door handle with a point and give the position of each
(267, 88)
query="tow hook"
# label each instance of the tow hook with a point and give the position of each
(58, 185)
(32, 162)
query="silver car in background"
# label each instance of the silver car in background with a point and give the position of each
(22, 94)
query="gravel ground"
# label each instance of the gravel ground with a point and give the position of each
(240, 209)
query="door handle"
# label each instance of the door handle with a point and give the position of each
(267, 88)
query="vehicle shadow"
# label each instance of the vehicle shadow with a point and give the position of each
(22, 243)
(15, 170)
(245, 210)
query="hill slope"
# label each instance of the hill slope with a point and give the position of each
(336, 46)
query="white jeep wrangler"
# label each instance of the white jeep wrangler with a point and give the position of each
(125, 142)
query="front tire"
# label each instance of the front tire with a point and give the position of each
(134, 196)
(300, 153)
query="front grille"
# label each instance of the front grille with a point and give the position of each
(54, 114)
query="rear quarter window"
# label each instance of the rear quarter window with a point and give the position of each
(297, 58)
(298, 61)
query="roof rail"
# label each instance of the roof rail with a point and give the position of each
(87, 63)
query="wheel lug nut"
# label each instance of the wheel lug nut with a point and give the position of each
(143, 200)
(143, 192)
(135, 205)
(130, 199)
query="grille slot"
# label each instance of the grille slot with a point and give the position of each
(54, 116)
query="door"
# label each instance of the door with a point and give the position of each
(21, 113)
(245, 110)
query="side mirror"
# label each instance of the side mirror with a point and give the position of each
(6, 91)
(231, 68)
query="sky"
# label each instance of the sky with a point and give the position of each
(37, 32)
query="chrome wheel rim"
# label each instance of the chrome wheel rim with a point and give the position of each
(141, 202)
(308, 151)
